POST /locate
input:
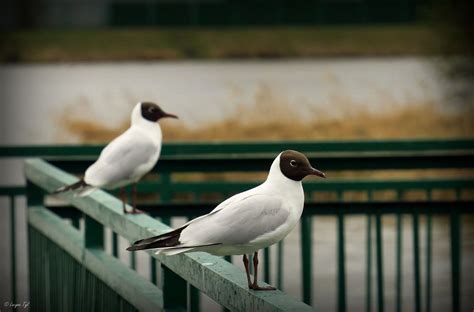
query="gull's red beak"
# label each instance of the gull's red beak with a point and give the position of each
(316, 172)
(170, 116)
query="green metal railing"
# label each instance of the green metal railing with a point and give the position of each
(210, 148)
(256, 157)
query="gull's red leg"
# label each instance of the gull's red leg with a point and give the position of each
(246, 265)
(255, 286)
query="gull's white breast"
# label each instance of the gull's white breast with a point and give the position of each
(290, 201)
(126, 159)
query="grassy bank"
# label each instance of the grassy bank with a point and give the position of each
(225, 43)
(275, 122)
(269, 121)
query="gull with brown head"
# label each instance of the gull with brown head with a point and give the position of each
(246, 222)
(127, 158)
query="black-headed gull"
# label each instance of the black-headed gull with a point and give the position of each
(128, 157)
(245, 222)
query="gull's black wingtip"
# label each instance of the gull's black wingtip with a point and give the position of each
(135, 246)
(168, 239)
(71, 187)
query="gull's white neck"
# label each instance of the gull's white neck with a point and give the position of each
(276, 180)
(151, 128)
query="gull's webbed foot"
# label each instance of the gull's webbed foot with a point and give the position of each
(256, 287)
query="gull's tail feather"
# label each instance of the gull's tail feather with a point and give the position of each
(80, 187)
(169, 239)
(167, 243)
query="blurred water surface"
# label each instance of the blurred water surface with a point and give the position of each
(36, 96)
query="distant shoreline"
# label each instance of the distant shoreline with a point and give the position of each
(146, 44)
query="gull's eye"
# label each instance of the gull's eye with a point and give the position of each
(293, 163)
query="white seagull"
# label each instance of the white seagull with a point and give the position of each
(246, 222)
(128, 157)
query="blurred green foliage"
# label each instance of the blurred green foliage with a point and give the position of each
(50, 45)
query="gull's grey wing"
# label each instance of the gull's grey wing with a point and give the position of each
(120, 159)
(238, 223)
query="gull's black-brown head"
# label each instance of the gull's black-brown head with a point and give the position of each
(152, 112)
(295, 166)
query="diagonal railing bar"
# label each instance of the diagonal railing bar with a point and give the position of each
(138, 291)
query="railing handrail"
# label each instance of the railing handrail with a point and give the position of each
(257, 147)
(324, 161)
(443, 207)
(334, 184)
(222, 281)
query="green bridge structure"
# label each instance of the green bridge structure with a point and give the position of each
(70, 268)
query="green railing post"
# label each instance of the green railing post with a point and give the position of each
(13, 247)
(93, 234)
(165, 193)
(153, 271)
(34, 195)
(399, 259)
(194, 299)
(368, 298)
(429, 238)
(455, 260)
(267, 264)
(379, 250)
(75, 222)
(131, 256)
(174, 291)
(114, 244)
(429, 226)
(34, 198)
(341, 307)
(280, 265)
(341, 271)
(416, 263)
(306, 257)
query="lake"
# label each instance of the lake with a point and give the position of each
(34, 97)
